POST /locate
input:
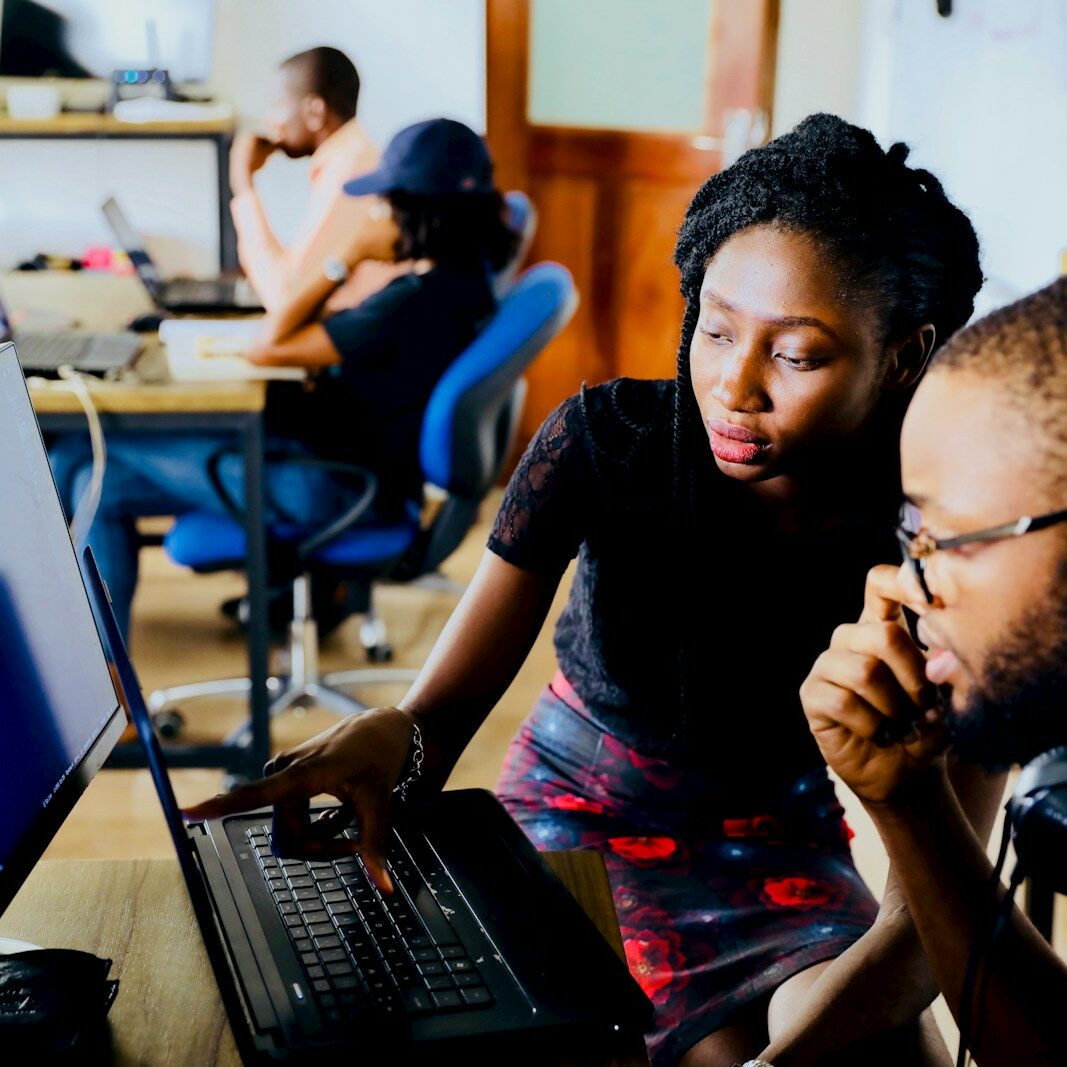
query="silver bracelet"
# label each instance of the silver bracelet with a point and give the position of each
(415, 766)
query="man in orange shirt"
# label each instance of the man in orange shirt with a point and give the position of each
(313, 114)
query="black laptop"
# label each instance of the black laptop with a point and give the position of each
(479, 952)
(100, 354)
(200, 295)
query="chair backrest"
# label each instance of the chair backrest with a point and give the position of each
(463, 442)
(473, 413)
(522, 218)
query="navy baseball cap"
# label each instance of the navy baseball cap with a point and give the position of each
(435, 158)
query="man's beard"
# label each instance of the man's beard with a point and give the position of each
(1018, 707)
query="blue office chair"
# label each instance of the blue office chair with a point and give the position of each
(467, 433)
(522, 218)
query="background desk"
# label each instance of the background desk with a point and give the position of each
(83, 126)
(168, 1010)
(148, 402)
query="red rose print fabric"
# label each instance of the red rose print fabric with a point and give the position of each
(719, 899)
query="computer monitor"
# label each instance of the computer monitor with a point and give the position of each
(59, 713)
(93, 38)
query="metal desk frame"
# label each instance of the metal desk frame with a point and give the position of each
(239, 759)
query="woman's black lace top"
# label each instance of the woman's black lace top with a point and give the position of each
(685, 639)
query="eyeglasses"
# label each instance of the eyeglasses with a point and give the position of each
(919, 545)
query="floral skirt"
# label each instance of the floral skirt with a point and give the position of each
(717, 906)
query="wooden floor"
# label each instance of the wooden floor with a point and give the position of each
(180, 636)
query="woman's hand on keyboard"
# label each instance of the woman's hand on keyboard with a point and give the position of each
(359, 762)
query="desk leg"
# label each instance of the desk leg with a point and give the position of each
(258, 633)
(227, 234)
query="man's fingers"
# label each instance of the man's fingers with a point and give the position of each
(882, 595)
(881, 650)
(833, 707)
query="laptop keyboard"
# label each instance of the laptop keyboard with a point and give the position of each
(195, 291)
(358, 947)
(94, 352)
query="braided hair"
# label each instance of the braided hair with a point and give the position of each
(896, 238)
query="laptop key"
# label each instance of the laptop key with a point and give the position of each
(309, 959)
(451, 951)
(323, 929)
(316, 972)
(340, 969)
(417, 1000)
(437, 982)
(301, 881)
(447, 999)
(456, 966)
(334, 955)
(347, 982)
(468, 979)
(293, 921)
(476, 997)
(430, 968)
(305, 894)
(331, 943)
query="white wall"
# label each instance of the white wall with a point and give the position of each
(981, 98)
(416, 58)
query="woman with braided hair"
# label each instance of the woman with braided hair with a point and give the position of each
(723, 522)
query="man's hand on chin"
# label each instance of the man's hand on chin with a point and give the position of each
(867, 700)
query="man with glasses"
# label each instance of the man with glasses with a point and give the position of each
(984, 532)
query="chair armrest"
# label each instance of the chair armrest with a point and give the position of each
(331, 530)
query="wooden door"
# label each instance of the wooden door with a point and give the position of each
(610, 200)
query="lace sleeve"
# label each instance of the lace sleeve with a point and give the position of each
(541, 522)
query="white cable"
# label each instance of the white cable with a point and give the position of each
(85, 509)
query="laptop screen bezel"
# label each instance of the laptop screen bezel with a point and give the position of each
(142, 262)
(44, 827)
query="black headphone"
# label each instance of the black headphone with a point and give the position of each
(1037, 811)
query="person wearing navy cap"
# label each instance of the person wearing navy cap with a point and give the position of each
(372, 366)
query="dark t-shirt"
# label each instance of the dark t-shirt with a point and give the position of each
(688, 645)
(393, 347)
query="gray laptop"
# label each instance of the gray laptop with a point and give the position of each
(42, 354)
(480, 951)
(200, 295)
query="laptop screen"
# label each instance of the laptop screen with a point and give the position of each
(133, 245)
(59, 715)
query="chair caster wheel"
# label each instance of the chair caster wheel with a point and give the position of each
(232, 781)
(168, 724)
(380, 654)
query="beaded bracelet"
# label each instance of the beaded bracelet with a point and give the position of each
(415, 764)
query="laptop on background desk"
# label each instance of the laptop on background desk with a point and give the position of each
(178, 294)
(96, 353)
(481, 951)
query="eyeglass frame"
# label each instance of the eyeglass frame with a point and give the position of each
(919, 545)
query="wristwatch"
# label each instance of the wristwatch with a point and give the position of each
(335, 269)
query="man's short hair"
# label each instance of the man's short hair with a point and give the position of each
(1021, 350)
(329, 73)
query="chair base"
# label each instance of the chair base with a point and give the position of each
(305, 685)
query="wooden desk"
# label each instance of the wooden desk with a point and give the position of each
(146, 401)
(168, 1010)
(85, 125)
